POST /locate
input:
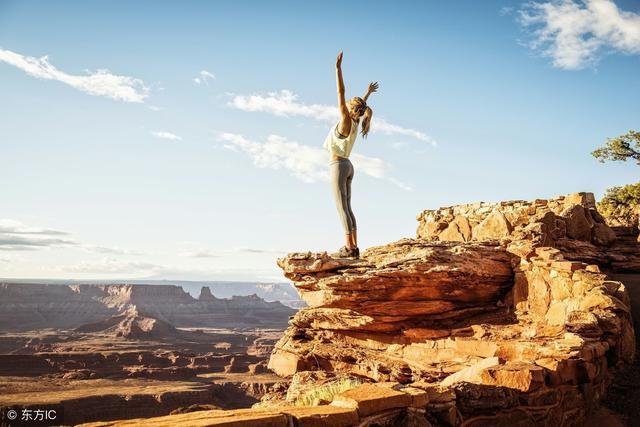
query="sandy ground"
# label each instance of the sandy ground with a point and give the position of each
(24, 390)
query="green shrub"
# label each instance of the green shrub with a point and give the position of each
(620, 149)
(327, 392)
(621, 205)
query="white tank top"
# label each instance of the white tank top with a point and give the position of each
(338, 145)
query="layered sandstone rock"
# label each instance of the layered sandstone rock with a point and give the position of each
(405, 286)
(492, 302)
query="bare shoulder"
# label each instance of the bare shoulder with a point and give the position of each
(344, 127)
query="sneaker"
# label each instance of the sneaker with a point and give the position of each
(356, 252)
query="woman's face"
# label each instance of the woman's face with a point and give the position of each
(352, 106)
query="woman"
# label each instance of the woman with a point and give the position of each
(339, 142)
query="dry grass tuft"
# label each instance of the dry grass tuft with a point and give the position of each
(327, 392)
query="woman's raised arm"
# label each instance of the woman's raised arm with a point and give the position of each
(344, 127)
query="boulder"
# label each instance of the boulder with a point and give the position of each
(577, 222)
(494, 226)
(458, 230)
(475, 373)
(603, 235)
(368, 399)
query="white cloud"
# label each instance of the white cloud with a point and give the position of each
(166, 135)
(16, 227)
(285, 104)
(506, 10)
(113, 266)
(247, 249)
(308, 164)
(372, 166)
(98, 83)
(15, 236)
(399, 145)
(575, 34)
(203, 253)
(401, 184)
(203, 78)
(382, 126)
(9, 259)
(109, 250)
(154, 108)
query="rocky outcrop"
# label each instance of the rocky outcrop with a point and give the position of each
(26, 307)
(401, 287)
(570, 223)
(504, 306)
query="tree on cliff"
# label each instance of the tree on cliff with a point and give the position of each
(622, 148)
(621, 205)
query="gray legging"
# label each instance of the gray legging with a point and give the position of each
(341, 177)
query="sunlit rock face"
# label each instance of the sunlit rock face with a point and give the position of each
(502, 305)
(570, 223)
(405, 287)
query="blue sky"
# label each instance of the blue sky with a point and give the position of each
(196, 154)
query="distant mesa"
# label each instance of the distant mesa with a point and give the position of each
(131, 324)
(31, 306)
(206, 295)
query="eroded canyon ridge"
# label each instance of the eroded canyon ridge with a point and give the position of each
(100, 352)
(497, 314)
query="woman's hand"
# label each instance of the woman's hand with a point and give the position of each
(339, 60)
(373, 87)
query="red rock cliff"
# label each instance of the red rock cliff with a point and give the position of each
(502, 305)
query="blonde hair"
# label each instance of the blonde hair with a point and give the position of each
(361, 108)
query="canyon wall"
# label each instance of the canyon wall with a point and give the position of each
(27, 306)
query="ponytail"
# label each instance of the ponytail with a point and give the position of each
(366, 121)
(360, 109)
